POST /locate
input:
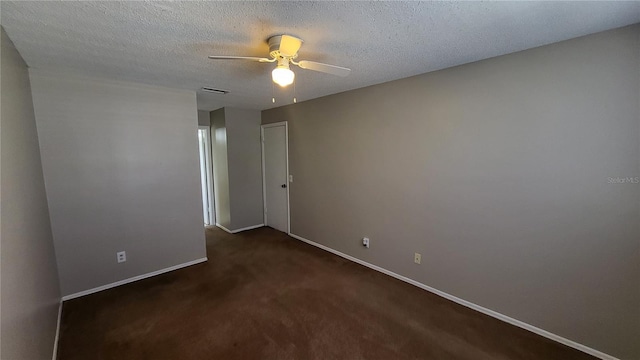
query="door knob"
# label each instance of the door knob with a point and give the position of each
(283, 186)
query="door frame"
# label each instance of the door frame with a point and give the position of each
(209, 169)
(264, 183)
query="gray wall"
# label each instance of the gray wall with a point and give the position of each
(245, 167)
(237, 167)
(204, 118)
(497, 172)
(121, 169)
(30, 287)
(220, 168)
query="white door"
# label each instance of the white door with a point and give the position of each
(275, 174)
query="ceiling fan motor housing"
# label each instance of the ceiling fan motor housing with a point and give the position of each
(274, 47)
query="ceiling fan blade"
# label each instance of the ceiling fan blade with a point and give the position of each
(250, 58)
(289, 45)
(325, 68)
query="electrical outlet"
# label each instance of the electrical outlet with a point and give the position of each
(365, 242)
(121, 256)
(417, 258)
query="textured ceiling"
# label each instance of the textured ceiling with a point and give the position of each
(167, 43)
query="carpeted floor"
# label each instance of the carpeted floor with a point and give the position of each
(264, 295)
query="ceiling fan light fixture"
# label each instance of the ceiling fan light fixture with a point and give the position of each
(282, 75)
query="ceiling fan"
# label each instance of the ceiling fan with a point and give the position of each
(283, 49)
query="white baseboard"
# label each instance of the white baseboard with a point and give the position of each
(466, 303)
(247, 228)
(238, 230)
(132, 279)
(224, 228)
(57, 338)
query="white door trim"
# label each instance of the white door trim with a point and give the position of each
(264, 181)
(209, 166)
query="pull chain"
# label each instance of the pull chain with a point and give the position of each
(294, 91)
(273, 96)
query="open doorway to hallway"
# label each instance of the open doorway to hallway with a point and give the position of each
(206, 175)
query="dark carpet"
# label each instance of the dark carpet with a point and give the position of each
(264, 295)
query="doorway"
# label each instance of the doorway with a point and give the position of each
(206, 179)
(275, 175)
